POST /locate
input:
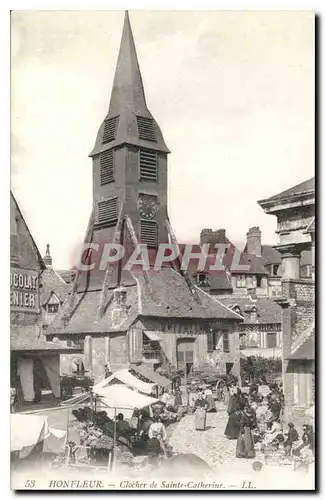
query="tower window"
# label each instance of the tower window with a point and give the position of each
(258, 281)
(107, 167)
(146, 129)
(110, 127)
(149, 233)
(107, 213)
(148, 165)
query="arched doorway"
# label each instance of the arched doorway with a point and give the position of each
(185, 355)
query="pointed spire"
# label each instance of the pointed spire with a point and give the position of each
(47, 259)
(128, 92)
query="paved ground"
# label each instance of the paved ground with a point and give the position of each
(211, 445)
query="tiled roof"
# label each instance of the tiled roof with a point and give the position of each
(53, 282)
(27, 238)
(171, 297)
(268, 311)
(166, 296)
(25, 338)
(305, 187)
(67, 275)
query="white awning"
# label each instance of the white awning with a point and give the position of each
(123, 399)
(26, 431)
(155, 336)
(128, 379)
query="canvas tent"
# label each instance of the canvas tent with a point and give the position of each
(120, 399)
(150, 374)
(128, 379)
(28, 430)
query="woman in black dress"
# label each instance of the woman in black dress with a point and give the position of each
(234, 412)
(245, 443)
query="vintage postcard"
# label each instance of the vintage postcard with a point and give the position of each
(162, 235)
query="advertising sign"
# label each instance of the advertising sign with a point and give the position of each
(24, 290)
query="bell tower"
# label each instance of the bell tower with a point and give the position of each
(129, 159)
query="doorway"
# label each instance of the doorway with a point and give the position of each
(185, 355)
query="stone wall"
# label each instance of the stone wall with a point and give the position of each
(297, 316)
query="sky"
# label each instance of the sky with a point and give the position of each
(233, 93)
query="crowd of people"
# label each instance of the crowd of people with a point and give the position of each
(256, 422)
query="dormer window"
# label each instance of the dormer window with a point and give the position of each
(52, 308)
(253, 314)
(202, 279)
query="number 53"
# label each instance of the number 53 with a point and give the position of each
(30, 483)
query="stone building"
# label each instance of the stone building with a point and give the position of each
(54, 291)
(132, 316)
(295, 213)
(34, 362)
(248, 291)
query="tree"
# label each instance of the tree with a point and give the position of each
(258, 368)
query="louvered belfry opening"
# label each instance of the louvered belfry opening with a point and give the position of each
(148, 165)
(107, 212)
(110, 127)
(107, 167)
(149, 233)
(146, 129)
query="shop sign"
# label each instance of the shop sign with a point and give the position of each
(24, 290)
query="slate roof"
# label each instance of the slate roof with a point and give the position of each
(24, 338)
(270, 255)
(306, 187)
(128, 100)
(165, 296)
(268, 311)
(220, 281)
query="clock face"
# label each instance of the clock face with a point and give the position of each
(147, 206)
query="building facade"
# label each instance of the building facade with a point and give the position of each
(295, 213)
(35, 362)
(127, 316)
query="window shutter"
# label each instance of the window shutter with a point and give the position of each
(107, 212)
(225, 342)
(110, 127)
(149, 233)
(107, 167)
(148, 165)
(146, 129)
(210, 341)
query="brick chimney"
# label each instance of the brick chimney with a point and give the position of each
(254, 241)
(213, 237)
